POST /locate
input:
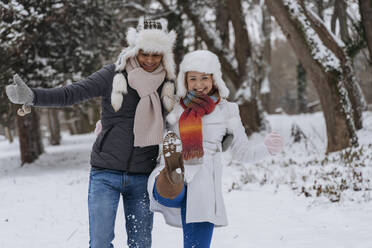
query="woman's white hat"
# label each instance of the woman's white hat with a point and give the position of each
(152, 37)
(201, 61)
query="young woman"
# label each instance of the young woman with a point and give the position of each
(186, 186)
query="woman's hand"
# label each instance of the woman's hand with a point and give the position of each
(19, 92)
(274, 143)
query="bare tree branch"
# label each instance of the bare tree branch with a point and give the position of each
(213, 42)
(242, 45)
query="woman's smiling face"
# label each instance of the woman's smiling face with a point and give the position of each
(201, 83)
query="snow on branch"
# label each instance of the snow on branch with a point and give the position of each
(138, 7)
(315, 16)
(212, 35)
(318, 50)
(153, 11)
(254, 19)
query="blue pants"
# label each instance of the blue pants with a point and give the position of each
(195, 235)
(105, 188)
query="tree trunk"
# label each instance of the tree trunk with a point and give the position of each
(249, 115)
(54, 127)
(301, 89)
(83, 125)
(8, 134)
(242, 47)
(70, 121)
(86, 116)
(366, 13)
(248, 70)
(209, 39)
(265, 86)
(339, 131)
(175, 23)
(222, 22)
(7, 112)
(320, 8)
(96, 108)
(346, 74)
(29, 137)
(339, 13)
(342, 18)
(78, 120)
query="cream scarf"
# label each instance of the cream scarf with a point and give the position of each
(148, 120)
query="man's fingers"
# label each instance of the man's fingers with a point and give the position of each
(10, 90)
(18, 81)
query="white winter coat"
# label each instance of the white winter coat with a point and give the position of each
(203, 178)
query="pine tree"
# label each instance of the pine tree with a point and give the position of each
(50, 43)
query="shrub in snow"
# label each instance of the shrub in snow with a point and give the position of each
(340, 176)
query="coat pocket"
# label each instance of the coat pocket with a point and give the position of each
(102, 138)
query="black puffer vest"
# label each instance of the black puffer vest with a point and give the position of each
(113, 148)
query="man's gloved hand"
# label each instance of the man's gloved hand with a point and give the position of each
(274, 143)
(19, 92)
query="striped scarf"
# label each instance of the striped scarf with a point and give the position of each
(190, 124)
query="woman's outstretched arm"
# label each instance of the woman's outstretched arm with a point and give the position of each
(242, 149)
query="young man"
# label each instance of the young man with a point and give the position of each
(135, 92)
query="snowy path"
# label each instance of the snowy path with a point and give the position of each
(45, 205)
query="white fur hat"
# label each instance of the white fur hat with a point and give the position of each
(201, 61)
(151, 37)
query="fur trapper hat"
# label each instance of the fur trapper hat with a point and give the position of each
(201, 61)
(150, 36)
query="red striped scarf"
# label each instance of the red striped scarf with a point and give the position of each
(190, 123)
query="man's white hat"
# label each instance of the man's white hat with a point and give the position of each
(151, 37)
(201, 61)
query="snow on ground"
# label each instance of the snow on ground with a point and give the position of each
(44, 204)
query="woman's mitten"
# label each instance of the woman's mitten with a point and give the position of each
(274, 143)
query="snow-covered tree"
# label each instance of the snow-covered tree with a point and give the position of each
(340, 16)
(365, 7)
(6, 114)
(346, 70)
(265, 87)
(222, 28)
(324, 59)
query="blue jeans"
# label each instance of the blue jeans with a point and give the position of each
(105, 188)
(195, 235)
